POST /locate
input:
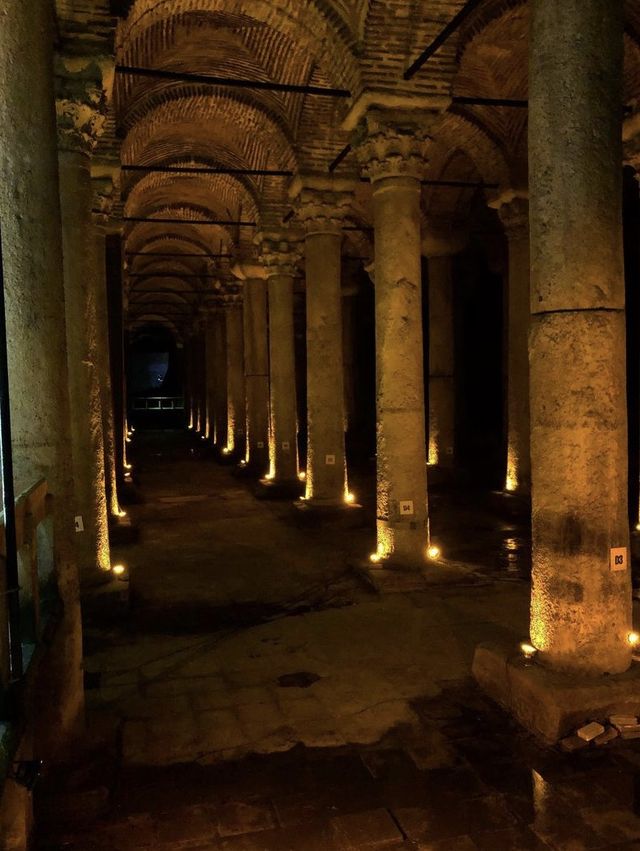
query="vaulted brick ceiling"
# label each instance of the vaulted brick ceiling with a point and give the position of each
(346, 44)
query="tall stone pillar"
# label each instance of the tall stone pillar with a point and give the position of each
(441, 245)
(220, 377)
(514, 214)
(103, 189)
(322, 205)
(392, 156)
(348, 354)
(256, 374)
(236, 404)
(80, 104)
(115, 312)
(37, 340)
(279, 256)
(581, 585)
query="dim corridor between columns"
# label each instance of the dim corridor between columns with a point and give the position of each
(252, 693)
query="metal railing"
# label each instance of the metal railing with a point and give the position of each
(158, 403)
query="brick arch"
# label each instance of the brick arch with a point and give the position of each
(169, 242)
(146, 232)
(218, 192)
(315, 25)
(461, 131)
(220, 129)
(153, 318)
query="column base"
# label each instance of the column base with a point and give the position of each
(318, 512)
(94, 578)
(549, 704)
(390, 577)
(274, 489)
(251, 471)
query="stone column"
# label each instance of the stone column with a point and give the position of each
(36, 338)
(393, 159)
(581, 594)
(280, 256)
(348, 355)
(80, 107)
(236, 404)
(103, 189)
(220, 378)
(256, 373)
(441, 245)
(514, 214)
(322, 205)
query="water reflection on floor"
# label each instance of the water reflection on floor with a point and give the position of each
(472, 780)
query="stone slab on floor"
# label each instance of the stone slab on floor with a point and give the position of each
(549, 704)
(397, 581)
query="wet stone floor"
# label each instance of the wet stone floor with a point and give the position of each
(248, 691)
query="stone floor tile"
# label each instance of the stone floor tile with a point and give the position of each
(370, 829)
(459, 843)
(509, 839)
(240, 817)
(613, 825)
(187, 824)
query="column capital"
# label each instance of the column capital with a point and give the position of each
(81, 103)
(513, 208)
(280, 252)
(394, 144)
(322, 202)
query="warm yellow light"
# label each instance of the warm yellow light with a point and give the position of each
(118, 569)
(637, 527)
(132, 429)
(191, 426)
(434, 552)
(121, 513)
(302, 475)
(633, 638)
(243, 463)
(128, 439)
(270, 476)
(225, 450)
(128, 466)
(528, 650)
(375, 558)
(350, 497)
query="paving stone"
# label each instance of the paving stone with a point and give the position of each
(371, 829)
(240, 817)
(188, 824)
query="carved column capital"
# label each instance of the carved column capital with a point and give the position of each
(513, 209)
(322, 203)
(81, 103)
(392, 145)
(280, 253)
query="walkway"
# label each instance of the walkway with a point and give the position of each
(257, 694)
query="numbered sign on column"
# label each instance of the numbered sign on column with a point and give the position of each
(406, 506)
(619, 558)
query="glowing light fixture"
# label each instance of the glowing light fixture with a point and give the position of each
(434, 552)
(225, 450)
(375, 558)
(528, 650)
(350, 498)
(633, 638)
(118, 569)
(302, 475)
(243, 463)
(128, 466)
(270, 476)
(121, 513)
(128, 439)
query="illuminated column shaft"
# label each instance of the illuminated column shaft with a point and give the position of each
(442, 388)
(104, 361)
(188, 382)
(199, 380)
(36, 336)
(210, 374)
(515, 218)
(581, 606)
(256, 362)
(81, 282)
(321, 211)
(220, 378)
(393, 160)
(279, 257)
(236, 403)
(348, 354)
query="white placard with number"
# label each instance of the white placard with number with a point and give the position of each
(79, 523)
(619, 558)
(406, 506)
(330, 460)
(286, 445)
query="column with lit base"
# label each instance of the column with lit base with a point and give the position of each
(256, 374)
(80, 119)
(236, 403)
(103, 192)
(322, 205)
(514, 214)
(219, 341)
(581, 585)
(279, 256)
(37, 363)
(441, 245)
(393, 158)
